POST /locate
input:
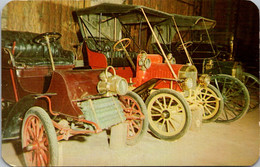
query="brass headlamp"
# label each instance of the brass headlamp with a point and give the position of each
(111, 84)
(204, 79)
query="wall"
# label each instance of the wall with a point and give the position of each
(41, 16)
(44, 16)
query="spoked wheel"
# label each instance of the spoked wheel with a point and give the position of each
(168, 113)
(252, 84)
(235, 95)
(39, 140)
(212, 102)
(136, 117)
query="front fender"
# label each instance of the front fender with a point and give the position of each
(12, 124)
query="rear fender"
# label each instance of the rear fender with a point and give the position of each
(146, 86)
(12, 124)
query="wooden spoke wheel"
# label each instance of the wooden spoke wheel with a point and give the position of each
(136, 117)
(235, 96)
(252, 84)
(168, 113)
(39, 140)
(212, 102)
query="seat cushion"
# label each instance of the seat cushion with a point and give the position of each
(29, 53)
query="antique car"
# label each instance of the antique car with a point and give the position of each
(217, 58)
(116, 35)
(45, 99)
(225, 79)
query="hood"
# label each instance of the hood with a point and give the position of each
(71, 86)
(75, 84)
(81, 83)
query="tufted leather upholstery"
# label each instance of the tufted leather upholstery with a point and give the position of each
(29, 53)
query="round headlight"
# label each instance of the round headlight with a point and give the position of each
(188, 83)
(121, 86)
(144, 63)
(147, 63)
(209, 64)
(204, 79)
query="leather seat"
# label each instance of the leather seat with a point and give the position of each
(29, 53)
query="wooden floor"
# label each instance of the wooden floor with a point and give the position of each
(235, 144)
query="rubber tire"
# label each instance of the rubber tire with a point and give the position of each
(142, 106)
(49, 130)
(221, 105)
(186, 108)
(245, 96)
(253, 92)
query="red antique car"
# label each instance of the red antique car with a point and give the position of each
(117, 35)
(45, 100)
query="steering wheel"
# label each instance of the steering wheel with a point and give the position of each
(120, 41)
(186, 44)
(50, 36)
(123, 47)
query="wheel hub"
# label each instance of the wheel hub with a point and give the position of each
(32, 146)
(165, 114)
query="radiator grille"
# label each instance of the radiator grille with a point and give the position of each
(105, 112)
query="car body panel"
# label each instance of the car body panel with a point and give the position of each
(28, 80)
